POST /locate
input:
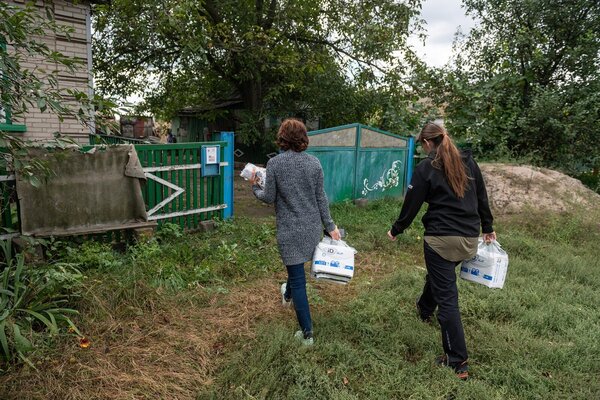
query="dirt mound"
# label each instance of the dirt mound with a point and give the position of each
(515, 188)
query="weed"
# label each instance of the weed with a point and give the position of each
(170, 231)
(93, 255)
(32, 303)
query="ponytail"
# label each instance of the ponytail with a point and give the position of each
(447, 157)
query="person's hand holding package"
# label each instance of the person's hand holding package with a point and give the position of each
(253, 179)
(489, 237)
(335, 234)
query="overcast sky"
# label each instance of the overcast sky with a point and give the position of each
(443, 18)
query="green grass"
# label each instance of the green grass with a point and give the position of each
(537, 338)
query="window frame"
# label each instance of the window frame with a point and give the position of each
(6, 124)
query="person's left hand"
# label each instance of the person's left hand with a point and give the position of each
(335, 234)
(253, 179)
(391, 237)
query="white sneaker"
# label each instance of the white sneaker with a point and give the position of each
(299, 335)
(285, 302)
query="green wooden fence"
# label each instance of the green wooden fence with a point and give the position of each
(178, 164)
(175, 190)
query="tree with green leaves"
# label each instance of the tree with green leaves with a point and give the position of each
(33, 298)
(21, 89)
(527, 81)
(279, 57)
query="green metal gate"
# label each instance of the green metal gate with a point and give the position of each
(360, 161)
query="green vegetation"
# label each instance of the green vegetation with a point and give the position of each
(33, 304)
(525, 83)
(537, 338)
(307, 58)
(24, 89)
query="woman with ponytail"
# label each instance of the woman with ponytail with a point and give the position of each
(450, 182)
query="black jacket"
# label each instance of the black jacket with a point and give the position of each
(447, 215)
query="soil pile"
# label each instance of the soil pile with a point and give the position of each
(516, 188)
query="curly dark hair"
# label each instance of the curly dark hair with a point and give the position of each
(292, 135)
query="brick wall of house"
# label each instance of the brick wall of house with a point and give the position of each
(41, 126)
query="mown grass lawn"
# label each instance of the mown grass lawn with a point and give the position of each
(197, 316)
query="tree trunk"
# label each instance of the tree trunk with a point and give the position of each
(252, 96)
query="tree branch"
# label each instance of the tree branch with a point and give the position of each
(337, 49)
(268, 22)
(259, 12)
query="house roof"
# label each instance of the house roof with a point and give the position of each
(216, 106)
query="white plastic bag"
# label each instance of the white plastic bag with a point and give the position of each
(261, 174)
(333, 260)
(488, 267)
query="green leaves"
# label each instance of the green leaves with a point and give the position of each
(31, 298)
(23, 87)
(525, 81)
(278, 58)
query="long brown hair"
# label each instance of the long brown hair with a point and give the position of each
(292, 135)
(447, 157)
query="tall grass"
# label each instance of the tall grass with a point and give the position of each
(537, 338)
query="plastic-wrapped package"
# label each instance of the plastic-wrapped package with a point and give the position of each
(261, 174)
(488, 267)
(333, 260)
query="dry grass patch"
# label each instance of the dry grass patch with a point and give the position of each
(170, 347)
(168, 351)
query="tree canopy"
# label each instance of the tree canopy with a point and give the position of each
(527, 81)
(307, 57)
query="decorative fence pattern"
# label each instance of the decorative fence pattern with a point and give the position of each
(175, 191)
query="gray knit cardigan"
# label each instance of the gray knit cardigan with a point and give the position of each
(295, 184)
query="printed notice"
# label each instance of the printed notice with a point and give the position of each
(211, 155)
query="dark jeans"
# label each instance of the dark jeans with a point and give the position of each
(440, 291)
(296, 289)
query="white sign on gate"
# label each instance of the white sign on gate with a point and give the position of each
(211, 155)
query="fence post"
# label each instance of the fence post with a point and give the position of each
(409, 162)
(356, 160)
(228, 173)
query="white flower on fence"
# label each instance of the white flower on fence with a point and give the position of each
(389, 179)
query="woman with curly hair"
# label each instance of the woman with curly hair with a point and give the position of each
(294, 183)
